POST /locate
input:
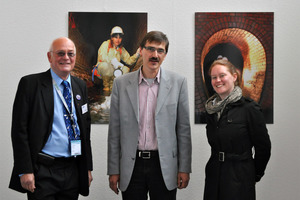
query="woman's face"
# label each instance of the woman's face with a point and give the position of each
(117, 40)
(222, 80)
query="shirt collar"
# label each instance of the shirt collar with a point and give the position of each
(141, 76)
(57, 79)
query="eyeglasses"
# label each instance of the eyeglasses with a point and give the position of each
(62, 54)
(153, 49)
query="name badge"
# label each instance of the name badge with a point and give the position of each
(75, 147)
(84, 108)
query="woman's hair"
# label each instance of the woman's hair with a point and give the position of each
(231, 68)
(156, 36)
(116, 35)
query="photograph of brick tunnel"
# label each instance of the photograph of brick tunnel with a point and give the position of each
(246, 39)
(91, 31)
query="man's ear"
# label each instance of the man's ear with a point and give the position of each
(140, 52)
(49, 57)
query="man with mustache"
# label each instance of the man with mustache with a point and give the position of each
(149, 139)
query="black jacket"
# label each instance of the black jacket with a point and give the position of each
(232, 170)
(32, 124)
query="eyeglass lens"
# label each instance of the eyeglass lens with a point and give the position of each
(62, 54)
(153, 49)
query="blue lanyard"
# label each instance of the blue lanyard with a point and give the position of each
(71, 115)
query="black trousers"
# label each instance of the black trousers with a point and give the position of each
(58, 181)
(147, 178)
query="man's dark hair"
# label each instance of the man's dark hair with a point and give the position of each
(156, 36)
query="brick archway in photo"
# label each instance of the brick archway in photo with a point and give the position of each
(252, 35)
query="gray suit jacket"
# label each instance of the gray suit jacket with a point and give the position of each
(172, 127)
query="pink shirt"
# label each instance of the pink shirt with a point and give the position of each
(147, 104)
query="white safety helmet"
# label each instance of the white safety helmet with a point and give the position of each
(116, 29)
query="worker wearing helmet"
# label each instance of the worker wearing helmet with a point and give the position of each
(110, 55)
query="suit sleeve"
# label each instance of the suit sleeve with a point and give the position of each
(260, 138)
(113, 157)
(183, 130)
(19, 130)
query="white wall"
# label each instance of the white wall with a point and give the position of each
(28, 27)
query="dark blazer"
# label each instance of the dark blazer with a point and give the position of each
(240, 128)
(32, 123)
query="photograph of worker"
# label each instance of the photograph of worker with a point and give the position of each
(107, 46)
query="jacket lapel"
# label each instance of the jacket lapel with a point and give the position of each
(77, 97)
(78, 102)
(163, 92)
(132, 90)
(47, 93)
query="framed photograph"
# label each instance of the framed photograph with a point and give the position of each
(246, 39)
(106, 46)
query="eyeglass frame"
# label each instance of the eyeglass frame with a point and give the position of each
(62, 54)
(153, 49)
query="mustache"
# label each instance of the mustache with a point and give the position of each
(154, 59)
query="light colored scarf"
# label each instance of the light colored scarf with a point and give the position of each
(216, 105)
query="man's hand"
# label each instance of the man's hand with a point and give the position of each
(114, 181)
(90, 177)
(183, 180)
(27, 182)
